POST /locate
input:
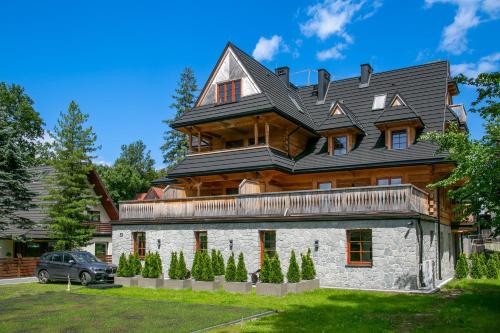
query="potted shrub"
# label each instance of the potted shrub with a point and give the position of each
(271, 278)
(218, 265)
(152, 275)
(204, 276)
(237, 276)
(293, 275)
(308, 272)
(124, 274)
(177, 273)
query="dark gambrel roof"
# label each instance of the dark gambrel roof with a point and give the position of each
(237, 160)
(340, 121)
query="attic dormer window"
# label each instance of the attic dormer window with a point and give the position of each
(229, 91)
(397, 101)
(337, 110)
(379, 102)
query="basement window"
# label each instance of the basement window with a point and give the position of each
(379, 102)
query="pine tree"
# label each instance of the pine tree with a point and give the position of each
(215, 262)
(172, 271)
(221, 263)
(176, 145)
(491, 269)
(307, 267)
(265, 270)
(137, 265)
(482, 265)
(146, 270)
(230, 269)
(181, 267)
(195, 268)
(311, 263)
(241, 270)
(462, 267)
(293, 274)
(123, 267)
(206, 274)
(276, 275)
(476, 271)
(70, 193)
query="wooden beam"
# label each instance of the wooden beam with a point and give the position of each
(199, 141)
(256, 132)
(267, 133)
(330, 145)
(190, 142)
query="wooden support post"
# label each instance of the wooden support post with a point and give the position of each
(267, 133)
(256, 132)
(199, 142)
(330, 145)
(190, 142)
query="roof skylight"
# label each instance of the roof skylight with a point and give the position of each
(379, 102)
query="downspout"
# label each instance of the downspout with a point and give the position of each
(420, 239)
(438, 204)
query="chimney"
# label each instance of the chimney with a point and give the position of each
(366, 73)
(284, 74)
(323, 81)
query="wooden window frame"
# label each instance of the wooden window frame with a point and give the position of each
(327, 182)
(262, 234)
(139, 250)
(223, 86)
(390, 180)
(361, 251)
(345, 146)
(197, 235)
(397, 131)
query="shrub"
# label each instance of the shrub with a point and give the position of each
(206, 274)
(137, 267)
(484, 269)
(308, 271)
(230, 269)
(172, 271)
(123, 267)
(491, 268)
(147, 265)
(195, 272)
(221, 263)
(276, 275)
(182, 272)
(462, 267)
(241, 270)
(215, 262)
(496, 257)
(293, 274)
(311, 263)
(265, 270)
(152, 266)
(476, 271)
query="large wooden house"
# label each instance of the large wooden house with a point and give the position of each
(336, 167)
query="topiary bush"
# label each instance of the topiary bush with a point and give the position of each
(491, 268)
(182, 272)
(123, 267)
(241, 270)
(222, 270)
(172, 271)
(276, 275)
(206, 273)
(230, 275)
(462, 267)
(136, 264)
(265, 270)
(293, 274)
(195, 272)
(308, 272)
(147, 265)
(152, 266)
(476, 270)
(215, 262)
(311, 263)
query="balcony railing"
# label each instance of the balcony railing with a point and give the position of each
(342, 201)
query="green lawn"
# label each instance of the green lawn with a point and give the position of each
(464, 306)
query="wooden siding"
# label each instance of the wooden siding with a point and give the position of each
(17, 267)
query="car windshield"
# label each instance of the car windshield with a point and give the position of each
(85, 257)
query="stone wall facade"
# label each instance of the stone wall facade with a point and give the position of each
(394, 246)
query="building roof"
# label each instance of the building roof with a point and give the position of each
(38, 214)
(338, 121)
(235, 160)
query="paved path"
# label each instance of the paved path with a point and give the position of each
(18, 280)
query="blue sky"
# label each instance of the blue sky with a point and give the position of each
(120, 60)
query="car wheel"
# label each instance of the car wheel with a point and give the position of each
(43, 276)
(85, 278)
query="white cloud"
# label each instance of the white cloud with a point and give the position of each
(266, 49)
(330, 17)
(486, 64)
(331, 53)
(467, 16)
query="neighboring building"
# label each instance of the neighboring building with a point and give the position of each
(335, 167)
(16, 242)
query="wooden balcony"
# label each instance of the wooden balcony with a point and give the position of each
(341, 201)
(100, 227)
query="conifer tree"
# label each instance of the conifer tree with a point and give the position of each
(462, 269)
(206, 274)
(195, 268)
(176, 145)
(230, 269)
(491, 269)
(276, 275)
(215, 262)
(70, 193)
(221, 263)
(311, 263)
(172, 271)
(482, 265)
(293, 274)
(181, 267)
(123, 266)
(146, 270)
(241, 270)
(265, 270)
(476, 271)
(137, 265)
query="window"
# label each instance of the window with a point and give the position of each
(57, 257)
(234, 144)
(201, 240)
(340, 145)
(325, 186)
(67, 258)
(389, 181)
(231, 190)
(336, 109)
(379, 102)
(101, 249)
(229, 91)
(397, 101)
(399, 139)
(359, 247)
(262, 141)
(140, 243)
(94, 216)
(267, 244)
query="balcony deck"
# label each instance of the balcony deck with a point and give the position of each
(342, 201)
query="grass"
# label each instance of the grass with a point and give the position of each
(463, 306)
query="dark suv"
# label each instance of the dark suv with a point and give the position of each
(78, 265)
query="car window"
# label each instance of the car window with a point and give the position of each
(57, 257)
(68, 257)
(85, 257)
(46, 257)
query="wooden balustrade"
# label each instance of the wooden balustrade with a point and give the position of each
(355, 200)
